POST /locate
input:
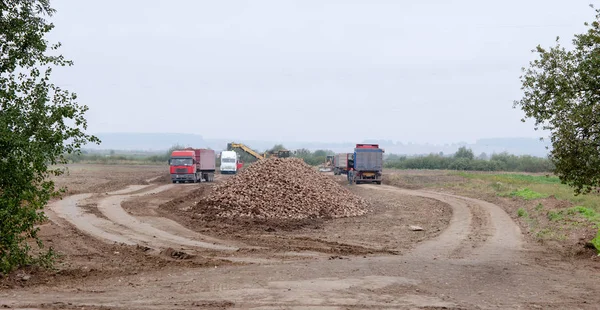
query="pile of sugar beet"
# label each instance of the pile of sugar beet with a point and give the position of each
(280, 188)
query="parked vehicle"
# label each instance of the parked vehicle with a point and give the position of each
(229, 160)
(342, 162)
(327, 166)
(368, 163)
(192, 165)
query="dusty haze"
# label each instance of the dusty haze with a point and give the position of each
(424, 71)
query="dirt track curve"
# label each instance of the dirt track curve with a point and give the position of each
(119, 226)
(478, 262)
(478, 230)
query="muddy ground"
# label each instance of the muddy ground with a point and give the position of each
(569, 241)
(84, 178)
(129, 240)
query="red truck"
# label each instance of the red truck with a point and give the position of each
(192, 165)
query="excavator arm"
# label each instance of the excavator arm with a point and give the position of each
(244, 148)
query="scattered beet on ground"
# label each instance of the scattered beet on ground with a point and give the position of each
(281, 188)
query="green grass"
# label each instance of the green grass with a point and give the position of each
(587, 213)
(506, 184)
(596, 242)
(578, 211)
(555, 215)
(550, 234)
(527, 194)
(513, 178)
(522, 213)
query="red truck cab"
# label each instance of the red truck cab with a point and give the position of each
(192, 165)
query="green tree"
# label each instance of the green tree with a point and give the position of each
(302, 153)
(320, 153)
(313, 158)
(464, 152)
(40, 124)
(562, 94)
(461, 163)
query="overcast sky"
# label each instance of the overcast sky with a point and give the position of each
(433, 71)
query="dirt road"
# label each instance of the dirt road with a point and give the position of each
(480, 261)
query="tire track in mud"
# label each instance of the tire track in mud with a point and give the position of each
(123, 228)
(114, 224)
(111, 208)
(480, 221)
(99, 228)
(478, 230)
(412, 281)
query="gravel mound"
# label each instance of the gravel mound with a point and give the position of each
(282, 188)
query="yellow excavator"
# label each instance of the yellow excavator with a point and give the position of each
(327, 166)
(233, 145)
(243, 147)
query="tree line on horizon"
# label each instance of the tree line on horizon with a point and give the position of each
(463, 159)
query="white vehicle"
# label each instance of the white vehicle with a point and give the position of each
(228, 162)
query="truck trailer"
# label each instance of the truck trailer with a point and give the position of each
(192, 165)
(342, 162)
(368, 163)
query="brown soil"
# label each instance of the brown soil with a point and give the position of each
(82, 259)
(93, 209)
(568, 239)
(418, 179)
(347, 236)
(471, 255)
(87, 178)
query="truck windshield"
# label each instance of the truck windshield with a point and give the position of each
(228, 160)
(181, 161)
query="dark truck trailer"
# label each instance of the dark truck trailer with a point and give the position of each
(342, 163)
(192, 165)
(368, 163)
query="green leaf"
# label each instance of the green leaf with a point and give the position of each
(39, 122)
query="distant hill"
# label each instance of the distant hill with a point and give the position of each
(163, 141)
(146, 141)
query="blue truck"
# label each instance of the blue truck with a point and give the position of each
(368, 163)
